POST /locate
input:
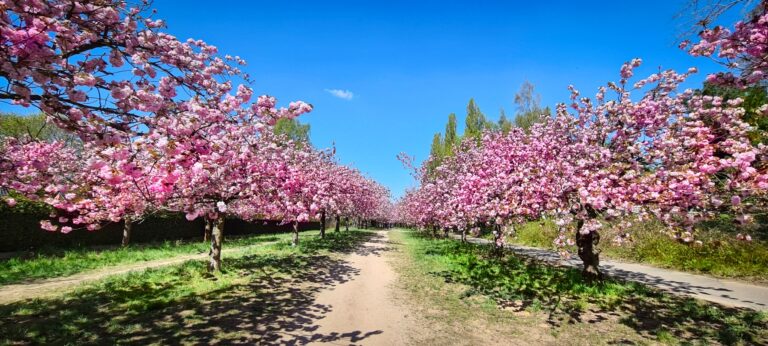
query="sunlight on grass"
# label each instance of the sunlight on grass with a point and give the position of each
(185, 302)
(50, 263)
(520, 283)
(720, 254)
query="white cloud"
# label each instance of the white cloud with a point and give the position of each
(342, 94)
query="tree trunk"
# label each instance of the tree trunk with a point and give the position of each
(322, 224)
(127, 228)
(445, 232)
(217, 236)
(208, 230)
(498, 238)
(463, 236)
(590, 257)
(338, 223)
(346, 224)
(498, 241)
(295, 240)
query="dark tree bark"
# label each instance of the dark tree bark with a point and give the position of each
(322, 224)
(498, 239)
(498, 234)
(588, 253)
(217, 236)
(127, 228)
(346, 224)
(463, 235)
(295, 240)
(338, 223)
(207, 231)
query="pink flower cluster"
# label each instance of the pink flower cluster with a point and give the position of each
(743, 48)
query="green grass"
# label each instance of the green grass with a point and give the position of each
(260, 294)
(50, 263)
(569, 300)
(720, 255)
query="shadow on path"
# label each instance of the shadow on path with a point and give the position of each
(519, 282)
(263, 299)
(725, 292)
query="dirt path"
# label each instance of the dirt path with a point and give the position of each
(367, 302)
(57, 286)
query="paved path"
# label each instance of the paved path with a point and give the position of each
(726, 292)
(57, 286)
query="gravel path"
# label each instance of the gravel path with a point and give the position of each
(726, 292)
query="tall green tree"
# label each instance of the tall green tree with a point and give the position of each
(436, 152)
(526, 120)
(528, 104)
(293, 129)
(504, 125)
(475, 121)
(35, 127)
(451, 138)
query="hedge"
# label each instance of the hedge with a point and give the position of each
(20, 230)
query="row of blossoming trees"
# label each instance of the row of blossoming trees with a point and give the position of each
(665, 153)
(163, 127)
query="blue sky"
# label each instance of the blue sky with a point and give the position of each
(408, 64)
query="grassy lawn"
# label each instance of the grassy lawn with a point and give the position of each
(463, 287)
(264, 295)
(50, 263)
(720, 255)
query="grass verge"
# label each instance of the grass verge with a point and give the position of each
(719, 255)
(264, 295)
(50, 263)
(555, 304)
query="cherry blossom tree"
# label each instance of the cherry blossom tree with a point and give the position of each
(155, 112)
(96, 65)
(675, 155)
(741, 49)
